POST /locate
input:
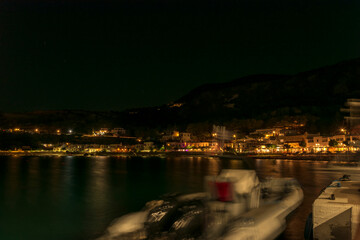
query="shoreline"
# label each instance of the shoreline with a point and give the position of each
(349, 157)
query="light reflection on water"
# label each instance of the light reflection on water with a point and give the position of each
(77, 197)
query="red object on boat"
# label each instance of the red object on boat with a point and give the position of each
(224, 191)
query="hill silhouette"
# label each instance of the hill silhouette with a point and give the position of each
(315, 96)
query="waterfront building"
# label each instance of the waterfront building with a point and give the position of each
(148, 145)
(317, 143)
(118, 131)
(340, 138)
(176, 136)
(185, 137)
(221, 136)
(268, 132)
(101, 132)
(353, 120)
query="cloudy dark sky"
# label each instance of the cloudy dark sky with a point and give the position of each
(113, 55)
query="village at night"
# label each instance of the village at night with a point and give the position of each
(179, 120)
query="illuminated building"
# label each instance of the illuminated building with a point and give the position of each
(353, 109)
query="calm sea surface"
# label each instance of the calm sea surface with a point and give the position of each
(77, 197)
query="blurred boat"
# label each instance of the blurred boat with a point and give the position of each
(235, 205)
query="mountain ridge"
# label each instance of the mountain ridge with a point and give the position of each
(316, 95)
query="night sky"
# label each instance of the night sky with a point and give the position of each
(113, 55)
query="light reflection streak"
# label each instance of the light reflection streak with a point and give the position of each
(12, 181)
(97, 187)
(33, 179)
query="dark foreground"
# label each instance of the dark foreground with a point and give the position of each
(72, 197)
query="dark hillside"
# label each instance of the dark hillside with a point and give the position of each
(315, 96)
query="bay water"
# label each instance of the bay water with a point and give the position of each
(76, 198)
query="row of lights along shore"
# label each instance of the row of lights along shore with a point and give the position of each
(36, 130)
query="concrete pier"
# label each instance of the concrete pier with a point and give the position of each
(336, 212)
